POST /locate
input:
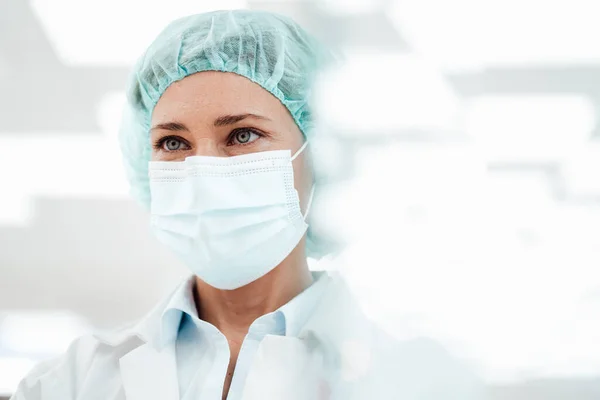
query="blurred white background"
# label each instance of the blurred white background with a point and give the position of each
(461, 145)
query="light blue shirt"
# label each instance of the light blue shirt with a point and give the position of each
(202, 351)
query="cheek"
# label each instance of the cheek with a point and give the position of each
(158, 155)
(298, 175)
(302, 179)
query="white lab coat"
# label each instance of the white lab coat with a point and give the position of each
(338, 355)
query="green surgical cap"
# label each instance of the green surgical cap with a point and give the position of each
(269, 49)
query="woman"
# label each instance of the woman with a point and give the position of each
(215, 141)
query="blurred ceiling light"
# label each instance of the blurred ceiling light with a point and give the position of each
(12, 370)
(344, 7)
(475, 34)
(380, 94)
(112, 32)
(109, 112)
(73, 166)
(529, 128)
(40, 333)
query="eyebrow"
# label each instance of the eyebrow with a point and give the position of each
(223, 120)
(232, 119)
(171, 126)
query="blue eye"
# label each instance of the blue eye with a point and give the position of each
(243, 136)
(171, 143)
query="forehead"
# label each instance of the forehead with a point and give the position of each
(209, 94)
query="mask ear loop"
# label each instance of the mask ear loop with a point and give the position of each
(312, 189)
(310, 200)
(300, 150)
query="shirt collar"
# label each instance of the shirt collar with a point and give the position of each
(181, 302)
(298, 310)
(295, 313)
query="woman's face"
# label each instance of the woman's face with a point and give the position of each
(223, 114)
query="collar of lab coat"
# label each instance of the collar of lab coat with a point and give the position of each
(334, 316)
(336, 332)
(335, 324)
(295, 312)
(341, 329)
(161, 325)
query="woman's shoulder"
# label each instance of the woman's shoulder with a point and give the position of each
(89, 358)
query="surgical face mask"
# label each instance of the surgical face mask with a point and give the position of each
(230, 219)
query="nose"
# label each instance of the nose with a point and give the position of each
(207, 147)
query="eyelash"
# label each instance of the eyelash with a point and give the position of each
(238, 130)
(159, 144)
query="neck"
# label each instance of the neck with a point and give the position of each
(232, 311)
